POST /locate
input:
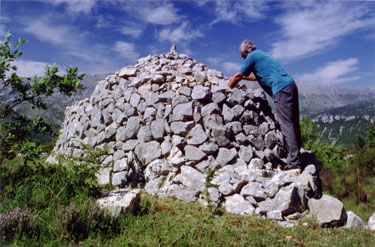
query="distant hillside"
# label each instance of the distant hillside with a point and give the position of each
(58, 102)
(315, 98)
(342, 125)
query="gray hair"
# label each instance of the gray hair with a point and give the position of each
(247, 46)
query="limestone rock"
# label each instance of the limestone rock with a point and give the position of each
(147, 152)
(371, 223)
(327, 211)
(200, 93)
(120, 200)
(288, 200)
(127, 72)
(191, 178)
(255, 190)
(226, 155)
(193, 153)
(238, 205)
(353, 221)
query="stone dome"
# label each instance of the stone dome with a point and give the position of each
(174, 127)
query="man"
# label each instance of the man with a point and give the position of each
(281, 87)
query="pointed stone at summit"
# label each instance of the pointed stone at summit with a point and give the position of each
(173, 49)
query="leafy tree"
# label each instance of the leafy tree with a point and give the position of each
(360, 142)
(308, 133)
(370, 135)
(17, 129)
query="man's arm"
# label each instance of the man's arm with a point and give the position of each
(238, 77)
(235, 79)
(249, 78)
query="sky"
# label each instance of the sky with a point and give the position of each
(328, 42)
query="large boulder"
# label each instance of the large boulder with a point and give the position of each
(328, 211)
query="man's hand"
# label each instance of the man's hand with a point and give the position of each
(235, 79)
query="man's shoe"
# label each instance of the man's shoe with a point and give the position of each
(294, 172)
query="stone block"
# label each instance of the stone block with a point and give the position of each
(196, 135)
(238, 205)
(353, 221)
(328, 211)
(120, 200)
(226, 155)
(147, 152)
(194, 153)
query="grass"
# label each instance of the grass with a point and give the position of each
(169, 222)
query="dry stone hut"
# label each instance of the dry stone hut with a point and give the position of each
(174, 127)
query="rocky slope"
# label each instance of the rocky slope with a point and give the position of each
(341, 126)
(315, 98)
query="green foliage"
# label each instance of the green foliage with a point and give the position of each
(330, 157)
(360, 142)
(37, 184)
(78, 221)
(207, 183)
(162, 181)
(348, 176)
(16, 130)
(370, 135)
(81, 170)
(60, 195)
(308, 133)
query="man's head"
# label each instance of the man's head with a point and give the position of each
(246, 47)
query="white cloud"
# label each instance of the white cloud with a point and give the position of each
(3, 28)
(183, 33)
(162, 15)
(227, 67)
(2, 31)
(215, 60)
(104, 21)
(75, 46)
(76, 6)
(231, 67)
(333, 72)
(311, 28)
(236, 12)
(126, 50)
(29, 68)
(56, 34)
(132, 30)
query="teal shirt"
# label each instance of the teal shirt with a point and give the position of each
(269, 73)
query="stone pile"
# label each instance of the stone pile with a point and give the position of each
(174, 127)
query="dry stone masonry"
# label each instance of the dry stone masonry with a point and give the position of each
(174, 127)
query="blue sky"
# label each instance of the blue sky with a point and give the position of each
(330, 42)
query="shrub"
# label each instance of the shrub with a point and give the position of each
(79, 220)
(16, 221)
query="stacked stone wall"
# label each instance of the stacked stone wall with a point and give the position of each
(172, 124)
